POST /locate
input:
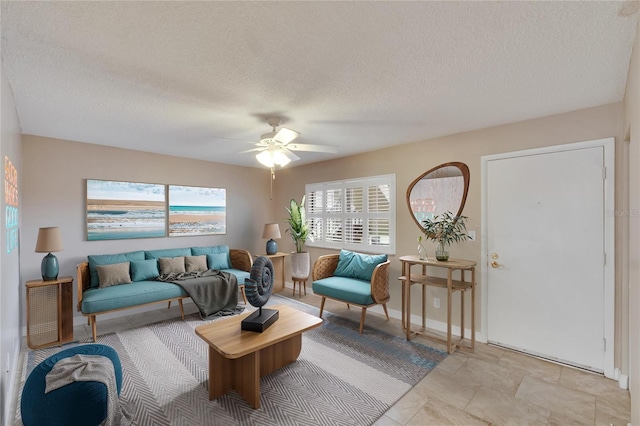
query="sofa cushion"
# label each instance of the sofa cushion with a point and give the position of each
(108, 259)
(123, 296)
(169, 265)
(218, 261)
(195, 263)
(214, 250)
(142, 270)
(157, 254)
(350, 290)
(113, 274)
(357, 265)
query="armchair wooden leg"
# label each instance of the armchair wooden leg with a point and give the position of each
(322, 306)
(384, 306)
(169, 305)
(348, 307)
(362, 315)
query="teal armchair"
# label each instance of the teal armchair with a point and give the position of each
(354, 288)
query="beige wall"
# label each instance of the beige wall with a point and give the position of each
(410, 160)
(632, 130)
(54, 191)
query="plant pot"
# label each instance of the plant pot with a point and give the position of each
(300, 264)
(442, 251)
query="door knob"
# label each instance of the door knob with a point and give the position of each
(494, 256)
(495, 264)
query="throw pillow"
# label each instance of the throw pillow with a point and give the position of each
(195, 263)
(218, 261)
(170, 265)
(113, 274)
(143, 270)
(357, 265)
(108, 259)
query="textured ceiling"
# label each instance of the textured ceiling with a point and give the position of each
(195, 79)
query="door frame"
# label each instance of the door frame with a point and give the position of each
(608, 145)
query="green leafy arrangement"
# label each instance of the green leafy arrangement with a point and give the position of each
(298, 227)
(446, 227)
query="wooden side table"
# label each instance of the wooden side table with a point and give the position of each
(301, 282)
(461, 285)
(278, 269)
(49, 312)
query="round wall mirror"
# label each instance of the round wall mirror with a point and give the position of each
(441, 189)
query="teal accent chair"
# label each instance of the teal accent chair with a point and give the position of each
(352, 291)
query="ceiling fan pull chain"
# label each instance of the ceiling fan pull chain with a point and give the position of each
(273, 177)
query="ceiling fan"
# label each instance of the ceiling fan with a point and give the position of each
(276, 148)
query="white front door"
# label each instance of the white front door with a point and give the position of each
(545, 229)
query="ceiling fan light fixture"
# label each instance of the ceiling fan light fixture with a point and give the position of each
(280, 158)
(265, 158)
(272, 157)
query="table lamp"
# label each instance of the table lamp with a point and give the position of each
(49, 240)
(271, 231)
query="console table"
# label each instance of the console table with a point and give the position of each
(462, 285)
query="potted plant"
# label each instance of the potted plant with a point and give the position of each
(299, 230)
(445, 229)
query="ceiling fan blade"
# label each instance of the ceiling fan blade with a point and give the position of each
(253, 150)
(314, 148)
(290, 155)
(284, 135)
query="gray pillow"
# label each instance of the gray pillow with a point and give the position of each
(195, 263)
(113, 274)
(169, 265)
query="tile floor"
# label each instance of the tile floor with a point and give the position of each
(488, 386)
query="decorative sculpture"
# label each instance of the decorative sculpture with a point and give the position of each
(258, 290)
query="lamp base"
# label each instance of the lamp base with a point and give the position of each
(49, 268)
(259, 320)
(272, 247)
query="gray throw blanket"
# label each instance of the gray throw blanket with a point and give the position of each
(90, 368)
(214, 292)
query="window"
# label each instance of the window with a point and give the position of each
(355, 214)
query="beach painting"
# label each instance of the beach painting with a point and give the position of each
(195, 210)
(122, 210)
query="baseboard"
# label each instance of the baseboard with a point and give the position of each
(623, 379)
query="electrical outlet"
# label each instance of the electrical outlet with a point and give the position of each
(436, 302)
(471, 235)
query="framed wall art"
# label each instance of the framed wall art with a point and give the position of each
(121, 210)
(195, 210)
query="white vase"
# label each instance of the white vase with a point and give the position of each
(300, 264)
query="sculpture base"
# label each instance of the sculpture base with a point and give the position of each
(260, 320)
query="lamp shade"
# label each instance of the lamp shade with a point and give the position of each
(49, 240)
(271, 231)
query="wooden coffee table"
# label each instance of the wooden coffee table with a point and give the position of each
(238, 358)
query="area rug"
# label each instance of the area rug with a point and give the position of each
(340, 378)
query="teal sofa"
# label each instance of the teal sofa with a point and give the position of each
(353, 278)
(112, 282)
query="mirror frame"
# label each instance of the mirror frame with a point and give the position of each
(465, 175)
